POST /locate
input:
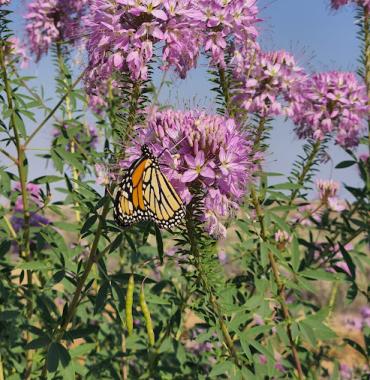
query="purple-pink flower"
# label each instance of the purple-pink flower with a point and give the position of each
(328, 194)
(336, 4)
(35, 202)
(125, 36)
(15, 51)
(332, 103)
(192, 146)
(4, 2)
(50, 21)
(269, 82)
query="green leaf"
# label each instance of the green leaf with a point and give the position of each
(90, 221)
(52, 357)
(345, 164)
(34, 265)
(158, 238)
(5, 246)
(82, 349)
(348, 259)
(101, 297)
(37, 343)
(295, 254)
(70, 227)
(308, 332)
(319, 274)
(221, 369)
(357, 347)
(47, 179)
(116, 243)
(8, 315)
(64, 355)
(285, 186)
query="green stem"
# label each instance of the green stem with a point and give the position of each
(63, 73)
(52, 112)
(306, 168)
(367, 59)
(58, 333)
(1, 369)
(22, 172)
(279, 284)
(259, 134)
(332, 298)
(225, 91)
(194, 251)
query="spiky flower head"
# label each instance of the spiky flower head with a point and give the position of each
(334, 104)
(50, 21)
(201, 152)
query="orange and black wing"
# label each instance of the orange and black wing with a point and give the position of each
(146, 194)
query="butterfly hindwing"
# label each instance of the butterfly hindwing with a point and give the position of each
(146, 194)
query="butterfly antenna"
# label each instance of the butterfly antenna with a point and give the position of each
(172, 147)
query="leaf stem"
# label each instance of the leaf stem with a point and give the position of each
(280, 285)
(52, 112)
(63, 73)
(21, 162)
(194, 251)
(306, 168)
(366, 27)
(93, 258)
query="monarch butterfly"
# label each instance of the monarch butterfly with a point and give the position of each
(146, 194)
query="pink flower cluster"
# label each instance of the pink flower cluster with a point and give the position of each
(268, 82)
(35, 200)
(4, 2)
(331, 103)
(328, 194)
(17, 51)
(51, 21)
(123, 35)
(200, 150)
(336, 4)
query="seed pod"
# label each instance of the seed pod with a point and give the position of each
(147, 317)
(129, 303)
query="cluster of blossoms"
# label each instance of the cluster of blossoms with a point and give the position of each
(87, 137)
(358, 322)
(203, 151)
(331, 103)
(35, 199)
(4, 2)
(52, 21)
(328, 194)
(282, 238)
(15, 50)
(269, 82)
(336, 4)
(331, 258)
(123, 35)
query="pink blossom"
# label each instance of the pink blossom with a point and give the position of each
(16, 51)
(190, 145)
(336, 4)
(331, 104)
(51, 21)
(269, 82)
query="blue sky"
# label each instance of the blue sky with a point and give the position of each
(320, 39)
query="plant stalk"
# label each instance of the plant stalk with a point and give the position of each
(305, 170)
(279, 284)
(93, 258)
(22, 173)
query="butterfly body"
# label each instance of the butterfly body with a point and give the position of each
(146, 194)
